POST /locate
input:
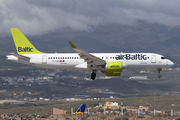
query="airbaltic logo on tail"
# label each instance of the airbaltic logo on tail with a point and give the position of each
(25, 49)
(131, 57)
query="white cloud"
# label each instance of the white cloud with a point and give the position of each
(35, 17)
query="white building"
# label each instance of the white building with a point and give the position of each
(138, 78)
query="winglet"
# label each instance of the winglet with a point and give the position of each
(72, 45)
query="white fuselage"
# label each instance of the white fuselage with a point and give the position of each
(73, 61)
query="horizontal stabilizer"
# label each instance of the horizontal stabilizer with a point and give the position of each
(20, 56)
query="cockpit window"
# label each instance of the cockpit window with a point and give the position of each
(163, 58)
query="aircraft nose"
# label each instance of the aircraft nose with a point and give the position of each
(170, 63)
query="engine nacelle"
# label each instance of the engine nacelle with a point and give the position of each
(114, 68)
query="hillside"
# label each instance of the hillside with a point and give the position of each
(172, 41)
(139, 37)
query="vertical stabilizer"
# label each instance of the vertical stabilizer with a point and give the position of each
(23, 45)
(81, 109)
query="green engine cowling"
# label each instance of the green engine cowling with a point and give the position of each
(114, 68)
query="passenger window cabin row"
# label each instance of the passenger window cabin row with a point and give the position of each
(110, 57)
(63, 57)
(74, 57)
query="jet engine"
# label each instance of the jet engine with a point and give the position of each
(114, 68)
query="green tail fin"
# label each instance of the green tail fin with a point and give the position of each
(23, 45)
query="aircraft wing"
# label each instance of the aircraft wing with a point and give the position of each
(93, 62)
(20, 56)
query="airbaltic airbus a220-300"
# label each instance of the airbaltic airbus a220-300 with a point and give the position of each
(111, 64)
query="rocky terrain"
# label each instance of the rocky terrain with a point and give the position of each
(85, 117)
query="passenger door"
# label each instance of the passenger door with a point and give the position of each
(44, 59)
(153, 59)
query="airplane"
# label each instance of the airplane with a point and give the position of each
(111, 64)
(81, 110)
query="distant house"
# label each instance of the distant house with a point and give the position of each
(27, 98)
(41, 98)
(138, 78)
(58, 111)
(34, 99)
(101, 104)
(143, 108)
(46, 99)
(109, 105)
